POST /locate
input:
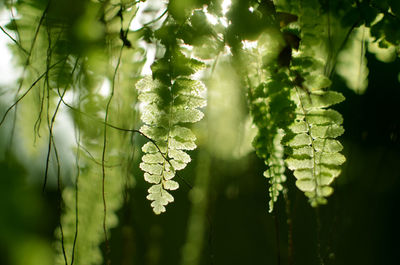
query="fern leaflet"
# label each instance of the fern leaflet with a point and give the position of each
(315, 154)
(171, 102)
(272, 110)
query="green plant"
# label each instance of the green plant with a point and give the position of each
(85, 56)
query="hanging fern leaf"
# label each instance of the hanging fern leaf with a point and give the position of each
(272, 110)
(171, 102)
(315, 154)
(276, 171)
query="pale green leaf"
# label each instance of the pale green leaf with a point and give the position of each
(321, 99)
(301, 139)
(178, 144)
(306, 184)
(324, 191)
(190, 101)
(183, 133)
(156, 189)
(325, 179)
(156, 133)
(151, 115)
(168, 174)
(153, 158)
(186, 86)
(149, 97)
(150, 147)
(323, 117)
(303, 151)
(326, 131)
(177, 165)
(179, 155)
(335, 159)
(323, 174)
(317, 82)
(299, 127)
(162, 196)
(154, 169)
(303, 173)
(294, 163)
(157, 207)
(146, 84)
(186, 115)
(152, 178)
(327, 145)
(170, 185)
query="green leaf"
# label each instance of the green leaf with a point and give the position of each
(170, 102)
(300, 139)
(299, 127)
(327, 145)
(314, 152)
(321, 99)
(154, 169)
(317, 82)
(294, 163)
(326, 131)
(153, 158)
(179, 155)
(306, 184)
(181, 144)
(152, 178)
(324, 117)
(170, 185)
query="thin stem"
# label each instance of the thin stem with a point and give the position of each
(320, 257)
(277, 238)
(26, 92)
(78, 140)
(104, 154)
(60, 208)
(51, 127)
(14, 40)
(50, 142)
(290, 226)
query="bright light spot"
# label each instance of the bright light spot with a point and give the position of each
(224, 21)
(226, 4)
(251, 9)
(105, 88)
(211, 18)
(228, 50)
(69, 97)
(8, 74)
(150, 56)
(249, 44)
(187, 47)
(296, 53)
(141, 107)
(148, 11)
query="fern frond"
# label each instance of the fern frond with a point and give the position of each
(276, 171)
(315, 154)
(272, 110)
(171, 101)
